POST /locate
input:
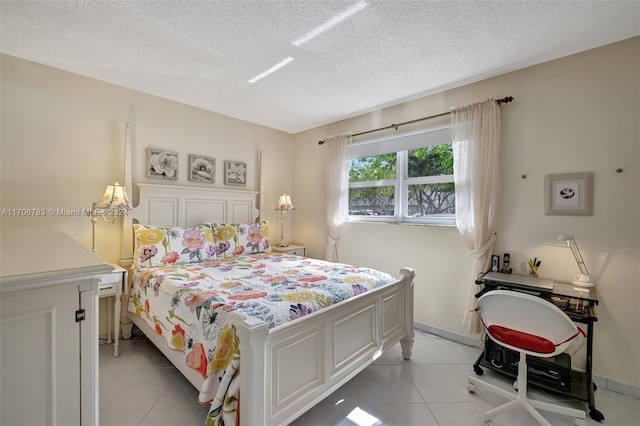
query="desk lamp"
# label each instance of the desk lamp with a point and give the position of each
(284, 205)
(583, 279)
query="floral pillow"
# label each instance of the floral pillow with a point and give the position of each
(156, 246)
(236, 239)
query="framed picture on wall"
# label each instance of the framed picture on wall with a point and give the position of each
(202, 169)
(235, 173)
(569, 194)
(162, 164)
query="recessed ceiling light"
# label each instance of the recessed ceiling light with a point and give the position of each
(273, 69)
(332, 22)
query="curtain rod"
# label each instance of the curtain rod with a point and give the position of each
(391, 126)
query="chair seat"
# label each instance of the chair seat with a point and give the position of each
(521, 340)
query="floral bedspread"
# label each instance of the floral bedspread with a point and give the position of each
(189, 306)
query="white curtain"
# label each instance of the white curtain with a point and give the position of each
(337, 190)
(475, 133)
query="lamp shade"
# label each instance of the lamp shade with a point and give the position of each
(284, 203)
(115, 196)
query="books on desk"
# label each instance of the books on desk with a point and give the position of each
(524, 281)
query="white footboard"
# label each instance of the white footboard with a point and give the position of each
(289, 369)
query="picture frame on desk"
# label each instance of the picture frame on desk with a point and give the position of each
(568, 194)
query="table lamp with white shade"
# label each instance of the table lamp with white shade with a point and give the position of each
(113, 200)
(284, 205)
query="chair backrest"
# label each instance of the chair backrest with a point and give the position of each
(526, 323)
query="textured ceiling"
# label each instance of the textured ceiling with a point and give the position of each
(203, 53)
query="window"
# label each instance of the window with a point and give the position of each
(403, 179)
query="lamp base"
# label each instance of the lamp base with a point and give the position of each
(282, 243)
(582, 280)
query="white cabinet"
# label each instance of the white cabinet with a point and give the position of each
(48, 330)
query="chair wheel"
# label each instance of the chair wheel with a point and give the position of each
(471, 387)
(596, 415)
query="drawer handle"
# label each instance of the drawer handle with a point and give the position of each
(106, 288)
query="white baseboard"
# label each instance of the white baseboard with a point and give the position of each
(454, 337)
(601, 382)
(612, 385)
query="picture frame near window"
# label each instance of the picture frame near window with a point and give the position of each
(202, 169)
(569, 194)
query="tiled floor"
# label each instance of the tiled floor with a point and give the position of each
(141, 388)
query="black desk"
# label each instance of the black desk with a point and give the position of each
(580, 306)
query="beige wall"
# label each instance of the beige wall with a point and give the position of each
(576, 114)
(62, 142)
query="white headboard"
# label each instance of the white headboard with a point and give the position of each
(171, 205)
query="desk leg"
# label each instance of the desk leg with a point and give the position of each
(476, 366)
(593, 412)
(116, 321)
(109, 319)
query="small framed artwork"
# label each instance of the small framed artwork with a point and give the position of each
(202, 169)
(235, 173)
(162, 164)
(569, 194)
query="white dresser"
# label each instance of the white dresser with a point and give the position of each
(48, 330)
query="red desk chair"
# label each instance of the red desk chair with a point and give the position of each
(531, 326)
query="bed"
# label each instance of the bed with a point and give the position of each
(291, 359)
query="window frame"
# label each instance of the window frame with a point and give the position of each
(402, 182)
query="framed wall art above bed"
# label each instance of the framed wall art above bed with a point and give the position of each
(162, 164)
(202, 169)
(235, 173)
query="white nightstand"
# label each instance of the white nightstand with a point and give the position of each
(291, 249)
(111, 285)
